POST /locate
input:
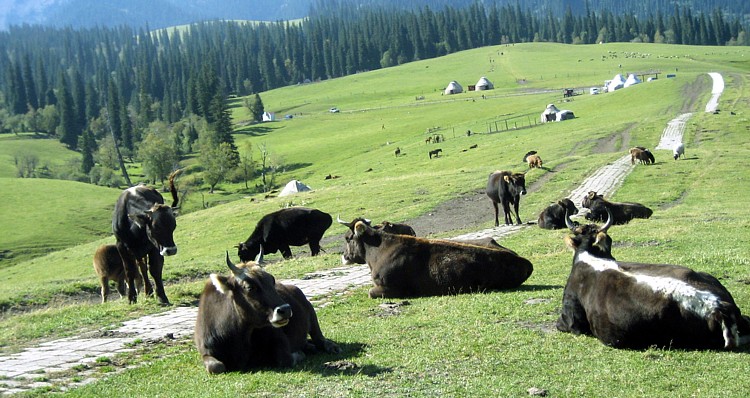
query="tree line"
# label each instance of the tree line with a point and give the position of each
(128, 89)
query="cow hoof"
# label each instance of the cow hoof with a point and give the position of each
(332, 348)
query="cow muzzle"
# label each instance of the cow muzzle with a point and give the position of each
(281, 315)
(168, 251)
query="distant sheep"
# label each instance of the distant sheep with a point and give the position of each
(679, 150)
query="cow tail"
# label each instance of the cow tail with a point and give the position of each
(172, 189)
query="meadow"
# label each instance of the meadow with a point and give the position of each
(490, 344)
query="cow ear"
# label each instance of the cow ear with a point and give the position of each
(359, 228)
(572, 243)
(141, 219)
(506, 178)
(220, 283)
(601, 242)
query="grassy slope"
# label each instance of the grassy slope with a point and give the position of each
(490, 344)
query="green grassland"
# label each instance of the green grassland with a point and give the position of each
(492, 344)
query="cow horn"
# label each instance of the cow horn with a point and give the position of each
(568, 222)
(235, 270)
(259, 257)
(342, 222)
(607, 224)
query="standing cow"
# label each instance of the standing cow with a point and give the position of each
(636, 305)
(108, 266)
(553, 217)
(143, 226)
(295, 226)
(407, 266)
(506, 188)
(247, 320)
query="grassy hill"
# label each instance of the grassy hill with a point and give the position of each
(495, 344)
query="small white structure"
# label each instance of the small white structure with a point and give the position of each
(564, 114)
(453, 88)
(484, 84)
(549, 114)
(631, 80)
(616, 83)
(594, 90)
(293, 187)
(269, 116)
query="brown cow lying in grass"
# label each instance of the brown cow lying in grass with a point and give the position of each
(248, 320)
(108, 266)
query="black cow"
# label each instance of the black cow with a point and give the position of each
(622, 213)
(635, 305)
(143, 226)
(553, 217)
(435, 153)
(295, 226)
(407, 266)
(248, 320)
(506, 187)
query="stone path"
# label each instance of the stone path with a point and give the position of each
(51, 362)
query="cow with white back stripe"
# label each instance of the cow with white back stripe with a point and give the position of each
(636, 305)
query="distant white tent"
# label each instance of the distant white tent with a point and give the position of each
(484, 84)
(294, 186)
(616, 83)
(549, 113)
(269, 116)
(564, 114)
(454, 88)
(631, 80)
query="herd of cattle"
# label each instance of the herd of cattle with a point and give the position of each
(246, 319)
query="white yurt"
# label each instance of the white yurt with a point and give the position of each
(616, 83)
(484, 84)
(549, 113)
(454, 88)
(631, 80)
(293, 187)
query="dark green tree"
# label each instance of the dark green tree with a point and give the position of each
(67, 128)
(87, 145)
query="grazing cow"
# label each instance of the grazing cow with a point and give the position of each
(108, 266)
(635, 305)
(642, 155)
(534, 160)
(407, 266)
(435, 152)
(294, 226)
(506, 187)
(397, 151)
(143, 226)
(248, 320)
(678, 150)
(622, 213)
(553, 217)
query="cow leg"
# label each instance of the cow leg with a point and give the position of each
(128, 262)
(515, 208)
(143, 265)
(155, 265)
(286, 251)
(121, 286)
(379, 291)
(497, 222)
(104, 283)
(213, 365)
(506, 212)
(316, 335)
(314, 247)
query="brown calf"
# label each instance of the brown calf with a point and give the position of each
(108, 266)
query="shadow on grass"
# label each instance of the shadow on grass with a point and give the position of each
(345, 366)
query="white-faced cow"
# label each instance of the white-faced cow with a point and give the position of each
(407, 266)
(635, 305)
(294, 226)
(506, 188)
(622, 213)
(108, 266)
(553, 217)
(143, 226)
(248, 320)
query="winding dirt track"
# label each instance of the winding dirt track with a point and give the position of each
(55, 359)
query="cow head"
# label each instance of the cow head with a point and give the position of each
(568, 206)
(590, 237)
(354, 251)
(248, 250)
(253, 291)
(516, 183)
(589, 199)
(159, 223)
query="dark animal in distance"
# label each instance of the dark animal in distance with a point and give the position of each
(622, 213)
(638, 305)
(143, 226)
(397, 151)
(474, 146)
(108, 266)
(506, 188)
(294, 226)
(533, 160)
(553, 217)
(678, 150)
(642, 155)
(248, 320)
(435, 152)
(407, 266)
